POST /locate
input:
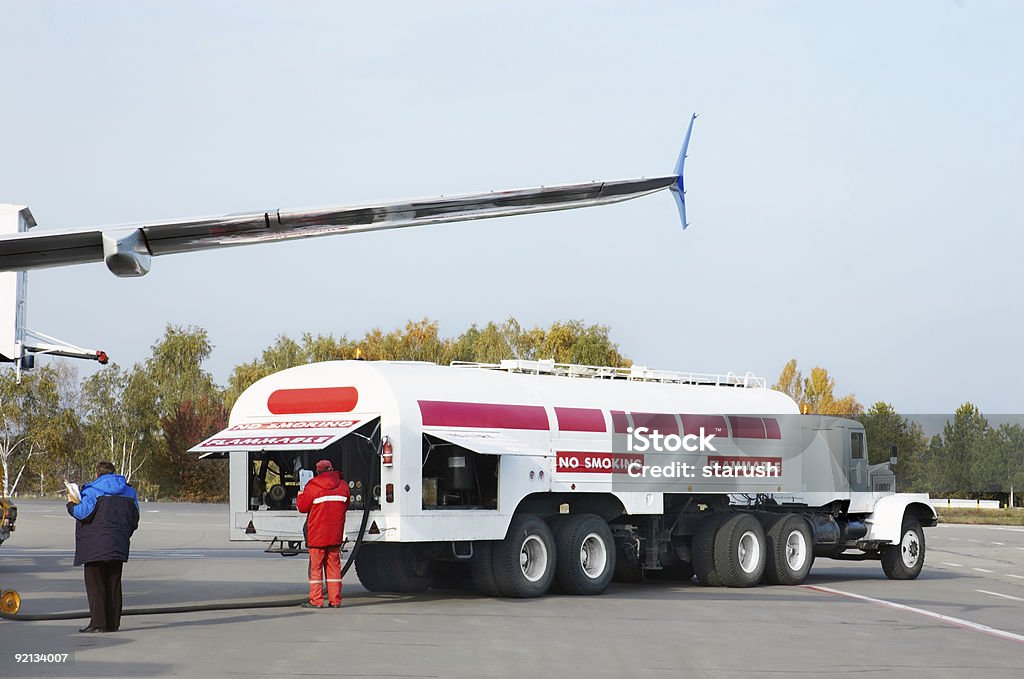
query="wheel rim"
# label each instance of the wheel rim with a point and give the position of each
(749, 552)
(796, 550)
(593, 556)
(533, 558)
(910, 548)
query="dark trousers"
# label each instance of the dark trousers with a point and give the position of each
(103, 587)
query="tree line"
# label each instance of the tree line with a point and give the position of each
(969, 459)
(144, 418)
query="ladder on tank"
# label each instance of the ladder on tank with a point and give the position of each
(630, 374)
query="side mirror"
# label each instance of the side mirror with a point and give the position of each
(892, 455)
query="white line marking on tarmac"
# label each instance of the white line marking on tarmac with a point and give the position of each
(949, 563)
(1011, 575)
(959, 622)
(973, 540)
(1002, 596)
(1001, 544)
(982, 570)
(179, 525)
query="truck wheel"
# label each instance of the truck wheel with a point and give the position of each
(367, 570)
(481, 567)
(790, 551)
(524, 562)
(905, 560)
(394, 567)
(740, 551)
(703, 551)
(585, 552)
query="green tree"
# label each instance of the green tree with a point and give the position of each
(40, 431)
(954, 452)
(283, 353)
(997, 461)
(884, 428)
(574, 342)
(121, 425)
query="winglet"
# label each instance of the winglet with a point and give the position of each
(678, 192)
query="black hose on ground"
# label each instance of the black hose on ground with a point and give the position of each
(219, 605)
(164, 610)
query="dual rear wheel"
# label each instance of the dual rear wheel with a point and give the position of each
(734, 550)
(575, 551)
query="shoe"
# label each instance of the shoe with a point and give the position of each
(333, 605)
(111, 629)
(90, 630)
(309, 605)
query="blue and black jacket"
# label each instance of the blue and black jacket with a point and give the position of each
(107, 516)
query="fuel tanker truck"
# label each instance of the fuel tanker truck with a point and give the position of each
(528, 475)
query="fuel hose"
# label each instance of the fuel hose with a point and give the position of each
(13, 601)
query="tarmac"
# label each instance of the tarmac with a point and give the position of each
(964, 615)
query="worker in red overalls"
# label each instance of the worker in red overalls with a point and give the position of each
(325, 499)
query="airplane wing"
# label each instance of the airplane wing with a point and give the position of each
(127, 250)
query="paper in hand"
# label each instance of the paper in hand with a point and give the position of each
(73, 491)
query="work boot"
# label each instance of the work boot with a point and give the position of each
(302, 605)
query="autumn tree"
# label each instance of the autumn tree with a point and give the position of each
(177, 387)
(566, 342)
(816, 392)
(190, 423)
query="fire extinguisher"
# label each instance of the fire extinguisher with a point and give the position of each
(387, 454)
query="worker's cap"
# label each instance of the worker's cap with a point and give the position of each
(324, 466)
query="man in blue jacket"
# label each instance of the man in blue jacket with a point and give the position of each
(107, 515)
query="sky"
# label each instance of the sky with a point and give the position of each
(853, 177)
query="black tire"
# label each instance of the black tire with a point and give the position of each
(531, 538)
(627, 564)
(740, 551)
(367, 570)
(910, 548)
(481, 568)
(394, 567)
(786, 540)
(585, 554)
(703, 550)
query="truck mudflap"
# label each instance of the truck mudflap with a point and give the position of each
(885, 522)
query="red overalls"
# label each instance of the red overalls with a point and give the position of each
(325, 499)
